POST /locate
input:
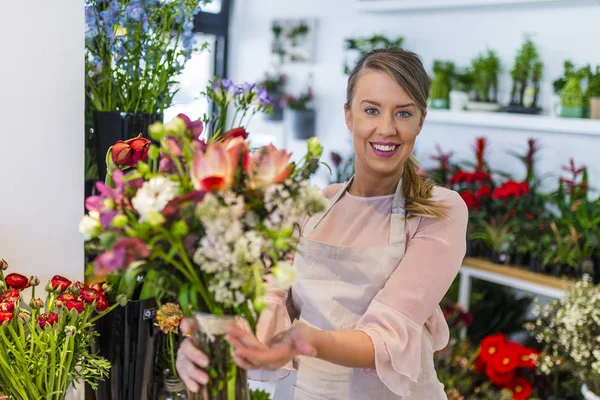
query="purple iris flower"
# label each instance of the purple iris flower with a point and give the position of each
(263, 96)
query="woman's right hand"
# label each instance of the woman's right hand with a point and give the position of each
(190, 360)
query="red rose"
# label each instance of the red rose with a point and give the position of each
(47, 319)
(469, 199)
(128, 153)
(490, 346)
(483, 191)
(236, 132)
(17, 281)
(75, 304)
(520, 387)
(67, 297)
(6, 317)
(89, 295)
(102, 304)
(59, 283)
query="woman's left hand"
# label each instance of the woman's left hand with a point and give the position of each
(249, 353)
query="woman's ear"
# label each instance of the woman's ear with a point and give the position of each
(348, 117)
(423, 116)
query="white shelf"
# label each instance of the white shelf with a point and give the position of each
(536, 123)
(423, 5)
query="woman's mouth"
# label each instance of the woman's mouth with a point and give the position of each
(385, 150)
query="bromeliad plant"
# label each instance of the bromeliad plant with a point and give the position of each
(46, 345)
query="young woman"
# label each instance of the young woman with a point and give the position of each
(371, 269)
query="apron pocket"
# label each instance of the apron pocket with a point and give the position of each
(301, 395)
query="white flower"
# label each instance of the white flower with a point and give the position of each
(153, 196)
(284, 275)
(89, 227)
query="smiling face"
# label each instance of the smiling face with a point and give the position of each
(384, 121)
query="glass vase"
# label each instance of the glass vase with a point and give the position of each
(173, 389)
(227, 381)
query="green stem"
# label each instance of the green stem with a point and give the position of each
(52, 361)
(109, 309)
(172, 354)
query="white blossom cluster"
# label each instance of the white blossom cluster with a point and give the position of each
(570, 330)
(284, 210)
(152, 198)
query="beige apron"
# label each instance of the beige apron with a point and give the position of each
(334, 288)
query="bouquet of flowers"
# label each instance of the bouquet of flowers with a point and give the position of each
(46, 345)
(135, 49)
(569, 332)
(207, 223)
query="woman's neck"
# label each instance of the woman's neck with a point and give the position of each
(368, 184)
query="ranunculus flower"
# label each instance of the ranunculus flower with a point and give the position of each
(59, 283)
(7, 306)
(234, 133)
(124, 252)
(213, 168)
(168, 318)
(128, 153)
(89, 295)
(269, 166)
(47, 319)
(490, 346)
(67, 297)
(102, 304)
(11, 296)
(97, 286)
(76, 305)
(6, 317)
(36, 303)
(16, 281)
(520, 387)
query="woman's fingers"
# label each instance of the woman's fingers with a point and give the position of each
(189, 363)
(246, 338)
(187, 326)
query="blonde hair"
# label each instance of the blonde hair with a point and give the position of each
(407, 69)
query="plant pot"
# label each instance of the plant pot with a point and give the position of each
(500, 258)
(595, 108)
(469, 252)
(520, 259)
(128, 341)
(458, 100)
(110, 127)
(228, 381)
(517, 109)
(571, 112)
(302, 123)
(277, 114)
(483, 106)
(589, 395)
(439, 104)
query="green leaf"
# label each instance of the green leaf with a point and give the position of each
(129, 279)
(150, 285)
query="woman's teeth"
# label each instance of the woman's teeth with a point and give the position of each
(382, 147)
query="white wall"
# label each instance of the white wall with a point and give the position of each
(560, 32)
(41, 136)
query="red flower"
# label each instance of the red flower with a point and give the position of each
(235, 132)
(75, 305)
(479, 365)
(89, 295)
(336, 158)
(7, 306)
(47, 319)
(124, 252)
(17, 281)
(483, 191)
(498, 378)
(470, 199)
(102, 303)
(490, 346)
(480, 176)
(195, 127)
(480, 145)
(511, 189)
(128, 153)
(59, 283)
(460, 176)
(6, 317)
(67, 297)
(97, 286)
(9, 299)
(521, 388)
(505, 361)
(527, 357)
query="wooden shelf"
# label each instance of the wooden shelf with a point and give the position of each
(516, 273)
(425, 5)
(536, 123)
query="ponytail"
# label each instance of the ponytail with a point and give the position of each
(418, 193)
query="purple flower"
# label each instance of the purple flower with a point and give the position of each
(124, 252)
(235, 90)
(226, 83)
(247, 87)
(135, 11)
(263, 96)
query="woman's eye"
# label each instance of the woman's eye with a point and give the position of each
(403, 114)
(371, 111)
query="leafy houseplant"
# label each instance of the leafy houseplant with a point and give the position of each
(571, 95)
(46, 345)
(360, 46)
(485, 70)
(301, 114)
(134, 52)
(462, 85)
(592, 93)
(526, 77)
(441, 84)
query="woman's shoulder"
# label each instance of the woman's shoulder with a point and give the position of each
(457, 208)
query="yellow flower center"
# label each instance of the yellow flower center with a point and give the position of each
(505, 361)
(518, 389)
(492, 350)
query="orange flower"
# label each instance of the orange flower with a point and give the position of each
(213, 169)
(239, 152)
(269, 166)
(168, 318)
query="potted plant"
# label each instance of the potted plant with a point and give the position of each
(274, 85)
(526, 77)
(462, 85)
(569, 333)
(439, 95)
(301, 115)
(592, 93)
(132, 64)
(360, 46)
(485, 70)
(571, 95)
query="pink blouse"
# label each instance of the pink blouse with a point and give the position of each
(410, 299)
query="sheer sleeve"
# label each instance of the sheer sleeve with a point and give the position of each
(410, 298)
